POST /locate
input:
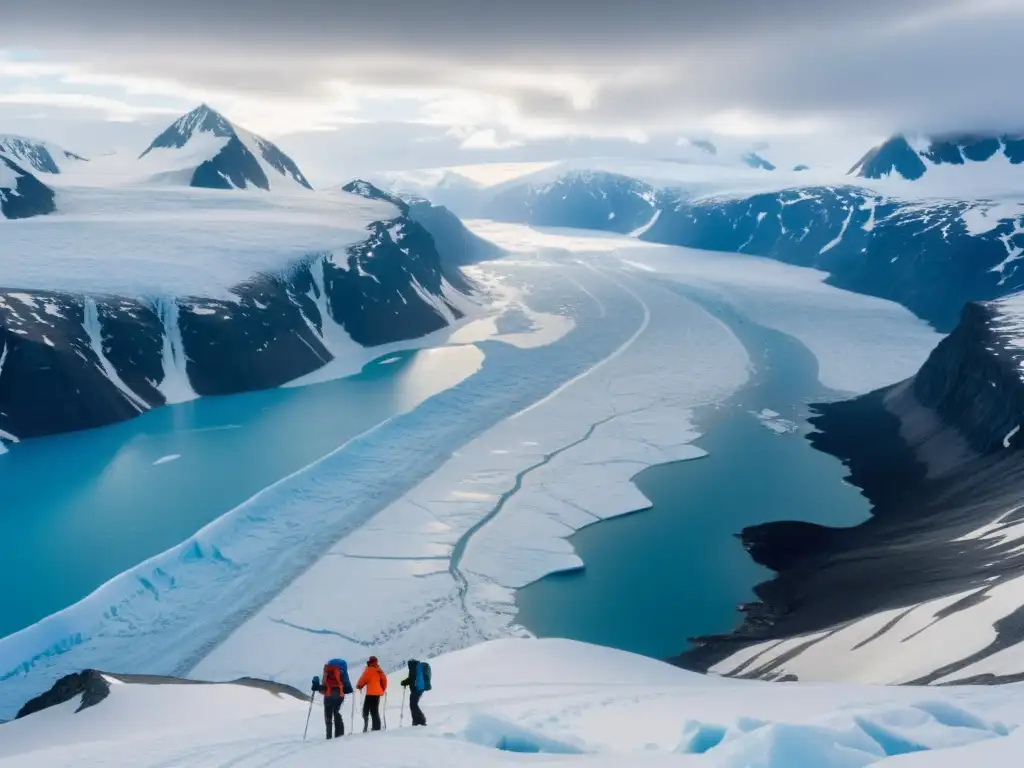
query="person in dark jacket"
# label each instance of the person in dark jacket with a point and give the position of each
(334, 685)
(414, 682)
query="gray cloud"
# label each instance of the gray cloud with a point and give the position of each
(481, 27)
(658, 66)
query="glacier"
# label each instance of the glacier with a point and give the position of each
(496, 515)
(448, 509)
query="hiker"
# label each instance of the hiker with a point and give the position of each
(418, 682)
(334, 686)
(375, 682)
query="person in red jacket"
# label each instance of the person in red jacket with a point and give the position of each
(375, 682)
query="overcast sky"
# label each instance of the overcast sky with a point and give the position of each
(400, 83)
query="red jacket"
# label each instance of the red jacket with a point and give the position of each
(373, 680)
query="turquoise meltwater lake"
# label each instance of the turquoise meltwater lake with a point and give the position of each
(78, 509)
(655, 578)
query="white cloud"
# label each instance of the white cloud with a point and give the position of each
(488, 139)
(113, 108)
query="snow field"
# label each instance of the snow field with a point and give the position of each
(166, 241)
(549, 702)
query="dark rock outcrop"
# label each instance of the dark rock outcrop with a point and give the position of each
(371, 192)
(94, 688)
(26, 197)
(938, 456)
(89, 684)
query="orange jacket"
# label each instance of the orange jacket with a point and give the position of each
(373, 680)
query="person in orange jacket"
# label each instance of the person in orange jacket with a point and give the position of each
(375, 682)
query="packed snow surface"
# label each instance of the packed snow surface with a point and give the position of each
(905, 644)
(176, 241)
(537, 702)
(448, 509)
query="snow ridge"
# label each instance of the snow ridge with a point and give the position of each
(40, 156)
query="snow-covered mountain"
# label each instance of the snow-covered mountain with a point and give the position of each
(931, 254)
(205, 149)
(38, 156)
(578, 199)
(370, 191)
(512, 703)
(21, 194)
(454, 241)
(912, 158)
(181, 293)
(930, 589)
(456, 244)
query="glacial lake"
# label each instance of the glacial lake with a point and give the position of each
(654, 578)
(80, 508)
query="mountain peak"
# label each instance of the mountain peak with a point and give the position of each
(215, 153)
(899, 156)
(202, 119)
(370, 191)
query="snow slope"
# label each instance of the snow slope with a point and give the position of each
(530, 702)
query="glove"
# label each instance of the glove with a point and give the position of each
(405, 683)
(316, 684)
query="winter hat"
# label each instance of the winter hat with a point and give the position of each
(373, 660)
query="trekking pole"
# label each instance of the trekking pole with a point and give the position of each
(310, 712)
(385, 710)
(353, 728)
(401, 715)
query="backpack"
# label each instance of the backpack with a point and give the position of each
(336, 681)
(423, 676)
